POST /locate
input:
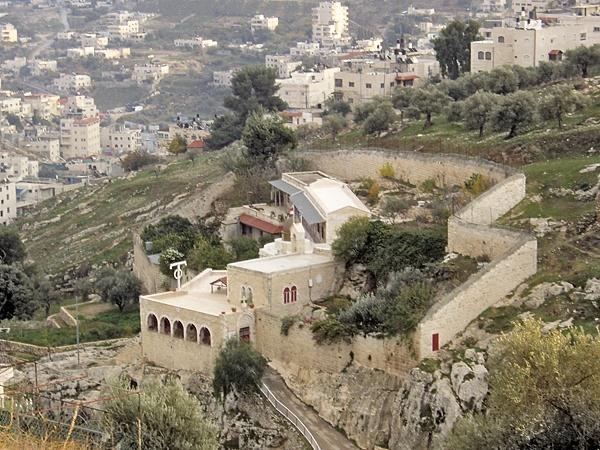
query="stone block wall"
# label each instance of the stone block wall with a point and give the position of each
(152, 279)
(299, 348)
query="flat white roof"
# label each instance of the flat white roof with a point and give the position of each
(281, 263)
(196, 295)
(332, 195)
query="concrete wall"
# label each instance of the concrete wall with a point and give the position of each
(299, 348)
(152, 279)
(446, 170)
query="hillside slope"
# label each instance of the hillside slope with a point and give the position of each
(95, 223)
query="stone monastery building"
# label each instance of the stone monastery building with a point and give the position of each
(290, 273)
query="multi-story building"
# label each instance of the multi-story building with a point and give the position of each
(305, 49)
(45, 106)
(370, 45)
(260, 22)
(10, 105)
(119, 139)
(527, 41)
(493, 5)
(48, 147)
(8, 199)
(330, 24)
(39, 66)
(8, 33)
(531, 5)
(149, 72)
(113, 53)
(80, 138)
(93, 40)
(304, 90)
(124, 29)
(80, 106)
(80, 52)
(358, 87)
(15, 64)
(195, 42)
(72, 82)
(223, 78)
(283, 64)
(18, 167)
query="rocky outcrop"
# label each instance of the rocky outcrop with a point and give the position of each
(378, 410)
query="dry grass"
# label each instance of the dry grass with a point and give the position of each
(22, 441)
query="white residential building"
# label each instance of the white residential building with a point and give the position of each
(260, 22)
(113, 53)
(330, 24)
(305, 49)
(149, 72)
(45, 106)
(80, 106)
(93, 40)
(283, 64)
(65, 35)
(359, 87)
(47, 147)
(412, 11)
(72, 82)
(18, 167)
(304, 90)
(223, 78)
(80, 52)
(119, 139)
(370, 45)
(124, 29)
(8, 33)
(39, 66)
(527, 42)
(8, 200)
(15, 64)
(195, 42)
(10, 105)
(80, 138)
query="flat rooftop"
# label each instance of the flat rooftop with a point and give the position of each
(281, 263)
(196, 295)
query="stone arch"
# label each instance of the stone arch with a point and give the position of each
(178, 329)
(152, 322)
(205, 336)
(191, 333)
(165, 326)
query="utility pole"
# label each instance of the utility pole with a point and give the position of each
(77, 325)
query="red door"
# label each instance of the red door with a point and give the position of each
(435, 342)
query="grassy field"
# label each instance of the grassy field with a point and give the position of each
(95, 223)
(106, 325)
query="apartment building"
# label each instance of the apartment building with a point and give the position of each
(222, 78)
(79, 106)
(113, 53)
(527, 42)
(18, 167)
(283, 64)
(305, 49)
(330, 24)
(358, 87)
(46, 106)
(48, 147)
(80, 138)
(10, 105)
(196, 42)
(15, 64)
(119, 139)
(149, 72)
(40, 66)
(123, 30)
(531, 5)
(72, 82)
(304, 90)
(8, 200)
(93, 40)
(8, 33)
(80, 52)
(260, 22)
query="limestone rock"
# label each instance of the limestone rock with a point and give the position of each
(592, 289)
(470, 384)
(544, 291)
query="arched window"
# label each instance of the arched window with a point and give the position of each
(294, 292)
(243, 293)
(178, 329)
(204, 336)
(152, 322)
(165, 326)
(479, 55)
(500, 39)
(488, 55)
(286, 295)
(249, 295)
(191, 333)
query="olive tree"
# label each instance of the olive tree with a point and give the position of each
(559, 100)
(514, 112)
(477, 110)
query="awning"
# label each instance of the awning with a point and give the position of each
(306, 208)
(284, 186)
(259, 224)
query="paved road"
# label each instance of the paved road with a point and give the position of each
(327, 436)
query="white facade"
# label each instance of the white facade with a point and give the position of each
(45, 106)
(93, 40)
(119, 139)
(305, 49)
(283, 64)
(370, 45)
(114, 53)
(304, 90)
(358, 87)
(124, 29)
(18, 167)
(40, 66)
(223, 77)
(48, 148)
(149, 72)
(15, 64)
(80, 138)
(330, 24)
(10, 105)
(196, 42)
(80, 106)
(260, 22)
(72, 82)
(8, 200)
(8, 33)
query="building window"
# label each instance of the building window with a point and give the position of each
(152, 323)
(488, 56)
(205, 336)
(294, 294)
(479, 55)
(165, 326)
(191, 333)
(382, 85)
(338, 82)
(369, 86)
(178, 329)
(500, 39)
(583, 36)
(245, 334)
(286, 295)
(350, 84)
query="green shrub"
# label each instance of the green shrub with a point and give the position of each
(331, 330)
(287, 322)
(428, 185)
(238, 368)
